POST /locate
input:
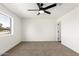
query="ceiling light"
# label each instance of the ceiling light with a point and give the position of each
(41, 11)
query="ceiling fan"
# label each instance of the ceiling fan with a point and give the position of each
(43, 9)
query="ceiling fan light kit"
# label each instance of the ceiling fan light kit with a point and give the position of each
(41, 11)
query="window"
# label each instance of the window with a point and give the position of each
(5, 24)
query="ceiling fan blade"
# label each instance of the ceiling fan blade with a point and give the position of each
(47, 12)
(50, 6)
(33, 10)
(40, 6)
(38, 13)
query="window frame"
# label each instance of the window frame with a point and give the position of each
(11, 24)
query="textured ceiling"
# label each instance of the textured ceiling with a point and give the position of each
(21, 9)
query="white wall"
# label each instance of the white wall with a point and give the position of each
(8, 41)
(70, 30)
(39, 29)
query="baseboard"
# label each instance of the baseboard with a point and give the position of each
(9, 49)
(37, 41)
(70, 48)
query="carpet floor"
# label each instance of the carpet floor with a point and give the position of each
(40, 49)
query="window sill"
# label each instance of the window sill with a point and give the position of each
(5, 34)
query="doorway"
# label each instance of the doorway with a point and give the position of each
(59, 31)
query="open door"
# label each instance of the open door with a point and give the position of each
(59, 31)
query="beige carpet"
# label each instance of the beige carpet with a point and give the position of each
(40, 49)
